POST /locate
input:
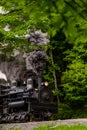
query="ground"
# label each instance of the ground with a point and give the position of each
(31, 125)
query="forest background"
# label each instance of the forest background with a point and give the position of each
(65, 22)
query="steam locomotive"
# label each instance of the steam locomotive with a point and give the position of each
(26, 103)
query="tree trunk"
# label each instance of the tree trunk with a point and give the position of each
(54, 75)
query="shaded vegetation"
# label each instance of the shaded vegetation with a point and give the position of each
(65, 21)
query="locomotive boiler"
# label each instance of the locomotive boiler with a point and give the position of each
(26, 103)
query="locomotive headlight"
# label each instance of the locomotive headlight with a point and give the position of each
(46, 83)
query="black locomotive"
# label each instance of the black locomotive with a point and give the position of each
(26, 103)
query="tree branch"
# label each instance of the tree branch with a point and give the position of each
(76, 11)
(12, 11)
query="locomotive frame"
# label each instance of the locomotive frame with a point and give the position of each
(22, 104)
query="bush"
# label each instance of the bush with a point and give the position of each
(64, 111)
(80, 113)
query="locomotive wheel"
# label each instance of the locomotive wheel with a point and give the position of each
(35, 117)
(27, 118)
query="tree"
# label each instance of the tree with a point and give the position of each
(50, 16)
(62, 17)
(75, 83)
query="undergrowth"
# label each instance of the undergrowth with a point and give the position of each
(63, 127)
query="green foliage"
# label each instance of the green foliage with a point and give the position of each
(64, 111)
(45, 127)
(63, 127)
(71, 127)
(81, 112)
(74, 81)
(42, 128)
(74, 78)
(50, 16)
(65, 21)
